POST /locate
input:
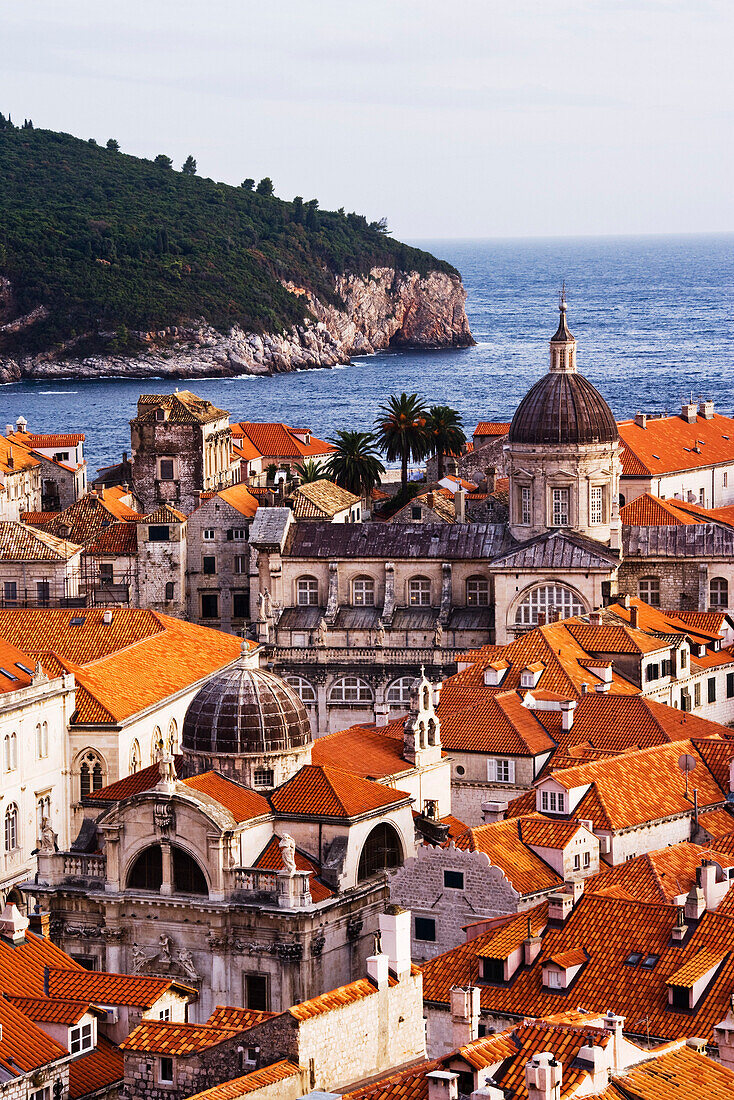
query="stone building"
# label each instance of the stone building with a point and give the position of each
(263, 895)
(218, 559)
(181, 446)
(20, 480)
(37, 568)
(63, 465)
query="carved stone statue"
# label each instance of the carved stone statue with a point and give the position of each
(267, 604)
(288, 849)
(167, 769)
(140, 958)
(321, 632)
(380, 638)
(164, 952)
(438, 635)
(47, 841)
(186, 961)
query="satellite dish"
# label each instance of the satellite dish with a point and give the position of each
(687, 764)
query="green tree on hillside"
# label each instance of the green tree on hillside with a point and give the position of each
(298, 209)
(402, 431)
(113, 146)
(189, 166)
(265, 186)
(446, 432)
(163, 161)
(355, 464)
(248, 184)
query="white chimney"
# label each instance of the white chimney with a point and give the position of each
(615, 1025)
(706, 410)
(107, 616)
(493, 811)
(8, 429)
(378, 970)
(641, 420)
(442, 1085)
(543, 1076)
(21, 424)
(595, 618)
(731, 776)
(395, 937)
(596, 1062)
(688, 412)
(464, 1015)
(568, 706)
(695, 904)
(13, 924)
(460, 505)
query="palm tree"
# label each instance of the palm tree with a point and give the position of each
(355, 463)
(308, 471)
(401, 430)
(446, 430)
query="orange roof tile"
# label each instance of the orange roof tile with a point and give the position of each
(166, 1037)
(575, 956)
(251, 1082)
(662, 875)
(650, 511)
(678, 1075)
(500, 943)
(22, 965)
(230, 1016)
(330, 792)
(241, 802)
(118, 538)
(24, 1046)
(695, 968)
(717, 823)
(21, 542)
(335, 998)
(503, 843)
(164, 514)
(49, 1011)
(321, 499)
(374, 752)
(669, 443)
(14, 457)
(540, 832)
(491, 427)
(277, 440)
(240, 498)
(96, 986)
(496, 723)
(98, 1069)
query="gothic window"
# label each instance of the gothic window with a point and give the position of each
(135, 758)
(560, 500)
(419, 592)
(477, 592)
(382, 851)
(43, 811)
(547, 599)
(157, 747)
(90, 774)
(10, 752)
(41, 740)
(363, 592)
(173, 737)
(188, 877)
(11, 828)
(307, 592)
(398, 693)
(350, 689)
(719, 592)
(649, 589)
(302, 688)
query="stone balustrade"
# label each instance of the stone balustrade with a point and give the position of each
(72, 867)
(365, 655)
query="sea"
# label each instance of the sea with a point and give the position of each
(653, 318)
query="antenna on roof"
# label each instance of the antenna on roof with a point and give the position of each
(687, 764)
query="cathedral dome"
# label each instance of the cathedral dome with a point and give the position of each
(245, 711)
(563, 407)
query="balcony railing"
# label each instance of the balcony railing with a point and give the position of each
(366, 655)
(257, 884)
(74, 868)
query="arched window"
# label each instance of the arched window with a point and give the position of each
(548, 599)
(188, 877)
(10, 752)
(90, 774)
(41, 740)
(11, 828)
(382, 851)
(350, 689)
(363, 592)
(173, 745)
(649, 590)
(719, 592)
(157, 747)
(302, 688)
(477, 592)
(307, 592)
(419, 592)
(398, 693)
(135, 758)
(146, 872)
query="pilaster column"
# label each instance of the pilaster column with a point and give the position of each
(167, 861)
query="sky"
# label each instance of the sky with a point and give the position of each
(451, 118)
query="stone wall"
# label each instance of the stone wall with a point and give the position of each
(683, 584)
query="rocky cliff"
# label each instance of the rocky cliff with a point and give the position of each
(386, 308)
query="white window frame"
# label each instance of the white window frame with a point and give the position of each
(544, 598)
(526, 506)
(240, 563)
(649, 590)
(81, 1038)
(307, 587)
(501, 769)
(560, 506)
(477, 592)
(419, 592)
(303, 688)
(399, 691)
(208, 534)
(350, 689)
(239, 534)
(363, 592)
(12, 827)
(596, 505)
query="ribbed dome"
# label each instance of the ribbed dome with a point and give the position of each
(563, 407)
(245, 710)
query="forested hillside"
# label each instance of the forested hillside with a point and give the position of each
(111, 244)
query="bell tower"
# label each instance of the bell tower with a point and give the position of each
(563, 343)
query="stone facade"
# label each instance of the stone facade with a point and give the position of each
(218, 581)
(161, 563)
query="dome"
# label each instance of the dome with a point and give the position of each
(563, 407)
(245, 711)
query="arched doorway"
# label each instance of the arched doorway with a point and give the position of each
(382, 851)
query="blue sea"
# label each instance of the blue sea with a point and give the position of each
(653, 317)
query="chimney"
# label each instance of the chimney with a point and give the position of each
(634, 616)
(695, 906)
(378, 966)
(107, 616)
(615, 1025)
(493, 811)
(595, 618)
(491, 479)
(706, 410)
(560, 906)
(45, 982)
(706, 879)
(541, 619)
(442, 1085)
(13, 924)
(595, 1061)
(8, 429)
(699, 1045)
(543, 1076)
(625, 602)
(21, 424)
(531, 946)
(584, 688)
(40, 924)
(731, 776)
(568, 706)
(641, 420)
(464, 1015)
(395, 937)
(680, 928)
(460, 505)
(689, 411)
(429, 500)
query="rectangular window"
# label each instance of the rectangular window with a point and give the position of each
(560, 500)
(555, 801)
(307, 592)
(505, 771)
(80, 1038)
(684, 658)
(685, 701)
(597, 504)
(240, 563)
(256, 992)
(652, 672)
(425, 929)
(544, 800)
(209, 565)
(726, 479)
(159, 533)
(649, 589)
(164, 1014)
(166, 469)
(711, 688)
(10, 591)
(577, 863)
(493, 970)
(165, 1071)
(453, 880)
(730, 685)
(209, 605)
(263, 777)
(43, 591)
(208, 534)
(587, 859)
(299, 639)
(416, 512)
(237, 533)
(526, 516)
(240, 605)
(702, 497)
(697, 694)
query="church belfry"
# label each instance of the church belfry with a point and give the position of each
(563, 343)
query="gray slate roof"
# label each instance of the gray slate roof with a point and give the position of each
(270, 526)
(447, 542)
(702, 540)
(558, 550)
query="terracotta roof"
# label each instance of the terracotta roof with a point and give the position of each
(503, 940)
(662, 875)
(164, 513)
(667, 443)
(240, 498)
(491, 427)
(330, 792)
(334, 999)
(650, 511)
(503, 844)
(277, 440)
(494, 723)
(49, 439)
(229, 1016)
(439, 501)
(37, 519)
(118, 538)
(271, 859)
(49, 1011)
(20, 542)
(251, 1082)
(143, 780)
(610, 930)
(707, 624)
(374, 752)
(89, 515)
(408, 1084)
(717, 823)
(166, 1037)
(678, 1075)
(321, 499)
(96, 986)
(14, 458)
(695, 968)
(542, 833)
(16, 667)
(241, 802)
(24, 1046)
(183, 406)
(98, 1069)
(575, 956)
(22, 966)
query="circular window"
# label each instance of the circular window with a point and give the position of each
(459, 769)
